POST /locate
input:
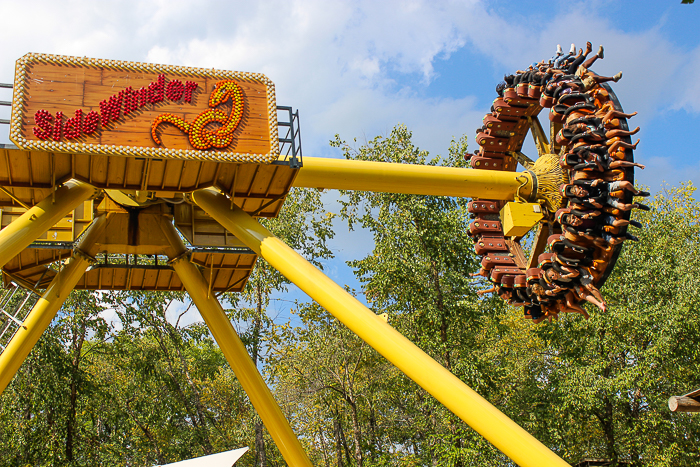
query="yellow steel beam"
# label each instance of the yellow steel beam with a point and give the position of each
(235, 353)
(539, 135)
(476, 411)
(389, 177)
(32, 224)
(48, 305)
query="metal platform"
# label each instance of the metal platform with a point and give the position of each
(131, 183)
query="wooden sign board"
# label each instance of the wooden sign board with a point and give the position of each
(94, 106)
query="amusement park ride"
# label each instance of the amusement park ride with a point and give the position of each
(132, 176)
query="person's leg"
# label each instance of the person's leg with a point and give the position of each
(615, 146)
(588, 63)
(612, 113)
(621, 164)
(617, 133)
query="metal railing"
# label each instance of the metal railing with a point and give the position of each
(5, 121)
(290, 142)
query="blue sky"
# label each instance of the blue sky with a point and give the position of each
(358, 68)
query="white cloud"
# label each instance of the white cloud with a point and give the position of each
(661, 171)
(359, 68)
(338, 62)
(688, 83)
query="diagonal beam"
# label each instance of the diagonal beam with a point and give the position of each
(464, 402)
(48, 305)
(235, 352)
(36, 221)
(539, 135)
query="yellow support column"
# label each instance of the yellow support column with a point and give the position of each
(464, 402)
(48, 305)
(32, 224)
(388, 177)
(236, 354)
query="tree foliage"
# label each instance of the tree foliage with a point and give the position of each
(142, 389)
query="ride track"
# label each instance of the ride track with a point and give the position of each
(133, 205)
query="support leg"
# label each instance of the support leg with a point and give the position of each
(476, 411)
(32, 224)
(48, 305)
(236, 354)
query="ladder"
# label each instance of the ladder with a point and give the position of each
(15, 305)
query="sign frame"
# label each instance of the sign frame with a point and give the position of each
(22, 97)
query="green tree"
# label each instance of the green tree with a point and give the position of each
(41, 418)
(305, 226)
(417, 273)
(599, 387)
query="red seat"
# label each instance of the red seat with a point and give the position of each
(533, 274)
(545, 258)
(534, 92)
(504, 111)
(497, 143)
(498, 272)
(490, 244)
(493, 123)
(492, 260)
(546, 101)
(521, 89)
(491, 207)
(485, 226)
(490, 163)
(510, 93)
(520, 100)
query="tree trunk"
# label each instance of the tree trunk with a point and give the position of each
(78, 339)
(323, 448)
(607, 423)
(338, 442)
(260, 457)
(356, 432)
(197, 418)
(196, 396)
(146, 432)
